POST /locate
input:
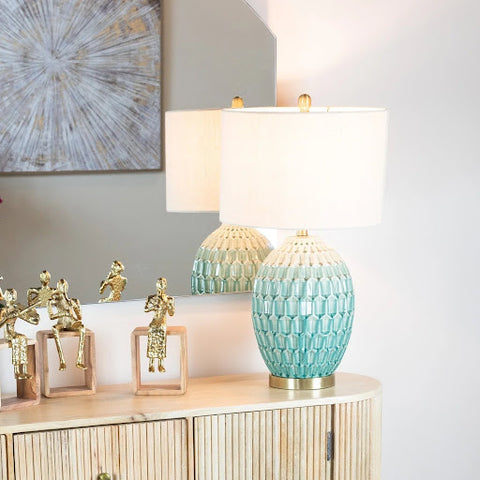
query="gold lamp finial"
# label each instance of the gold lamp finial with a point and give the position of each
(237, 102)
(304, 102)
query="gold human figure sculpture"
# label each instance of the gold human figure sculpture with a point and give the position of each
(161, 304)
(68, 314)
(43, 294)
(115, 281)
(9, 314)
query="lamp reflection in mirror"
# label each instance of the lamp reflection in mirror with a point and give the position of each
(228, 259)
(314, 168)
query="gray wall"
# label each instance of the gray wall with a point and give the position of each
(75, 225)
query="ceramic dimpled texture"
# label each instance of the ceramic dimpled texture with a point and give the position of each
(228, 260)
(303, 307)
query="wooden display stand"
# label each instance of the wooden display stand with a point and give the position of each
(160, 389)
(90, 385)
(28, 390)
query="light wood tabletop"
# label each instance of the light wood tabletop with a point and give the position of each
(205, 396)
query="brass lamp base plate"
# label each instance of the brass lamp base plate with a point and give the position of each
(302, 383)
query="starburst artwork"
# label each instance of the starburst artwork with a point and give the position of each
(79, 85)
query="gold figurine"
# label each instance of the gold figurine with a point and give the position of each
(9, 314)
(43, 294)
(161, 304)
(69, 317)
(115, 281)
(1, 295)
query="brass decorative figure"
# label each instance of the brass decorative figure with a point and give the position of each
(43, 294)
(9, 314)
(115, 281)
(1, 297)
(161, 304)
(68, 314)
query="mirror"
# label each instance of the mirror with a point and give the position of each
(75, 225)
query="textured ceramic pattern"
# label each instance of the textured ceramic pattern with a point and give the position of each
(228, 260)
(303, 306)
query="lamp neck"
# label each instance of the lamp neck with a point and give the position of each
(302, 233)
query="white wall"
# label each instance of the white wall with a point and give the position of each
(417, 325)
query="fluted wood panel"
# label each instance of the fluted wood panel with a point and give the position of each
(287, 444)
(3, 458)
(357, 440)
(146, 451)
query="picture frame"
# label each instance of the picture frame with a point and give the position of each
(80, 84)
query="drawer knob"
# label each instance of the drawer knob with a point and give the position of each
(104, 476)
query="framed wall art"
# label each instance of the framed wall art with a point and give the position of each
(80, 85)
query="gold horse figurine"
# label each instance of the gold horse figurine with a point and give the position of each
(161, 304)
(115, 281)
(43, 294)
(9, 314)
(68, 314)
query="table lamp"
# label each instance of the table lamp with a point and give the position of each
(297, 169)
(228, 258)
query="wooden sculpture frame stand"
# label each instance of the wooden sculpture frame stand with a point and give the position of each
(28, 390)
(90, 375)
(161, 389)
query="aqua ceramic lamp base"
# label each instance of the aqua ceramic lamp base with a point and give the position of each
(303, 306)
(228, 260)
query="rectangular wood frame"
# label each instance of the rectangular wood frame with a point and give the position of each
(90, 386)
(160, 389)
(28, 391)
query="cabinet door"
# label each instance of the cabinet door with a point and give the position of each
(357, 428)
(287, 444)
(3, 458)
(140, 451)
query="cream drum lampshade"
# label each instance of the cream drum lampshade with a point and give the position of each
(192, 149)
(227, 259)
(303, 168)
(296, 170)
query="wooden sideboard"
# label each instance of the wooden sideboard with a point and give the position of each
(232, 427)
